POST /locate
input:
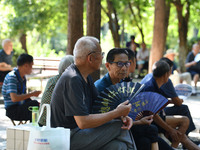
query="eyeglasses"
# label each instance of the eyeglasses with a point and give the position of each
(102, 53)
(121, 64)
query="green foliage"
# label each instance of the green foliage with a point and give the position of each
(45, 22)
(37, 14)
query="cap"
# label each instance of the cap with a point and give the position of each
(34, 108)
(169, 52)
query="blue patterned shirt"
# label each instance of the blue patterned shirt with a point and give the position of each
(12, 84)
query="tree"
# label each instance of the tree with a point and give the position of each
(41, 16)
(158, 43)
(111, 12)
(183, 19)
(137, 8)
(75, 23)
(94, 25)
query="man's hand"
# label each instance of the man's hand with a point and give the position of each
(5, 67)
(35, 93)
(175, 134)
(3, 64)
(124, 108)
(177, 101)
(145, 120)
(127, 122)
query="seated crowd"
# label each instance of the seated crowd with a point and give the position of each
(72, 92)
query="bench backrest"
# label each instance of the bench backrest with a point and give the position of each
(44, 63)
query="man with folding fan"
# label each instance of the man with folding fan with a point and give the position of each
(72, 100)
(119, 63)
(172, 126)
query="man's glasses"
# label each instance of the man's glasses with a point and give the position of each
(121, 64)
(102, 53)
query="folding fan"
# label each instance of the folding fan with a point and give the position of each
(183, 91)
(145, 104)
(112, 96)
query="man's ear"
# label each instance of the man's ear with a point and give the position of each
(166, 75)
(89, 58)
(107, 66)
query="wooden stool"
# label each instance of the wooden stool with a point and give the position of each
(20, 122)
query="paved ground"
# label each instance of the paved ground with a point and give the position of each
(193, 103)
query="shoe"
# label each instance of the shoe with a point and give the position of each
(194, 93)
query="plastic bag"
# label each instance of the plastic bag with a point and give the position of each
(47, 138)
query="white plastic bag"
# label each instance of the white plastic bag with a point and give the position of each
(47, 138)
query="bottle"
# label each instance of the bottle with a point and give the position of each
(35, 115)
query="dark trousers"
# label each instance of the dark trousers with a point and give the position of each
(21, 112)
(145, 135)
(184, 111)
(3, 75)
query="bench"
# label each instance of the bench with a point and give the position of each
(44, 68)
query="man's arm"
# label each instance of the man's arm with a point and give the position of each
(5, 67)
(95, 120)
(17, 98)
(177, 101)
(189, 64)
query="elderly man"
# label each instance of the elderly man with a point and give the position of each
(193, 67)
(72, 99)
(174, 126)
(16, 100)
(176, 76)
(5, 58)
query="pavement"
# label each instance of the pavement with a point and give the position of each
(193, 103)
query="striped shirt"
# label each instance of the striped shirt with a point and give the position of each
(12, 84)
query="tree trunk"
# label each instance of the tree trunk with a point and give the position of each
(94, 25)
(182, 29)
(113, 23)
(23, 42)
(158, 33)
(75, 23)
(167, 12)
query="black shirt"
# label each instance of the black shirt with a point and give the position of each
(72, 96)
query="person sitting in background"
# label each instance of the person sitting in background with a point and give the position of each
(173, 126)
(176, 76)
(72, 101)
(142, 59)
(6, 55)
(16, 100)
(46, 97)
(192, 66)
(168, 89)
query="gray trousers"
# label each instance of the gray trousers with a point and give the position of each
(109, 136)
